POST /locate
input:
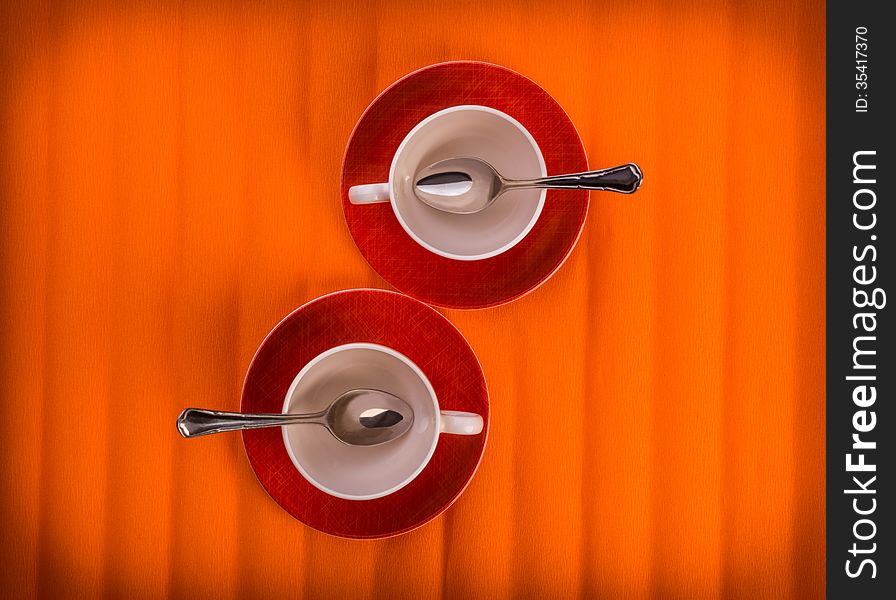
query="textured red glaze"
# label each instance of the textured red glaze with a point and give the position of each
(410, 267)
(401, 323)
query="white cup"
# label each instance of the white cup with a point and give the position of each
(366, 472)
(467, 130)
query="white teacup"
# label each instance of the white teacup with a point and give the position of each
(366, 472)
(470, 130)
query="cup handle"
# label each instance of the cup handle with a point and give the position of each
(461, 423)
(369, 193)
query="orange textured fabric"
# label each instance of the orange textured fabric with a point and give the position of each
(169, 175)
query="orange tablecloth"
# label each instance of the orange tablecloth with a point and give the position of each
(170, 176)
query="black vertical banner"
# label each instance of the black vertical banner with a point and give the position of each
(861, 368)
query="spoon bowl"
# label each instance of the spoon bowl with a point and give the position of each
(368, 417)
(361, 417)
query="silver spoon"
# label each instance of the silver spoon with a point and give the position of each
(361, 417)
(467, 185)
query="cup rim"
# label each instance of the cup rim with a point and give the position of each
(541, 198)
(368, 346)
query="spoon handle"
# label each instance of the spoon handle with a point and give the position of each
(194, 422)
(624, 179)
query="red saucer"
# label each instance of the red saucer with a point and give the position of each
(410, 267)
(401, 323)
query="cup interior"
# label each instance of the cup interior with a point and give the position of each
(360, 472)
(480, 132)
